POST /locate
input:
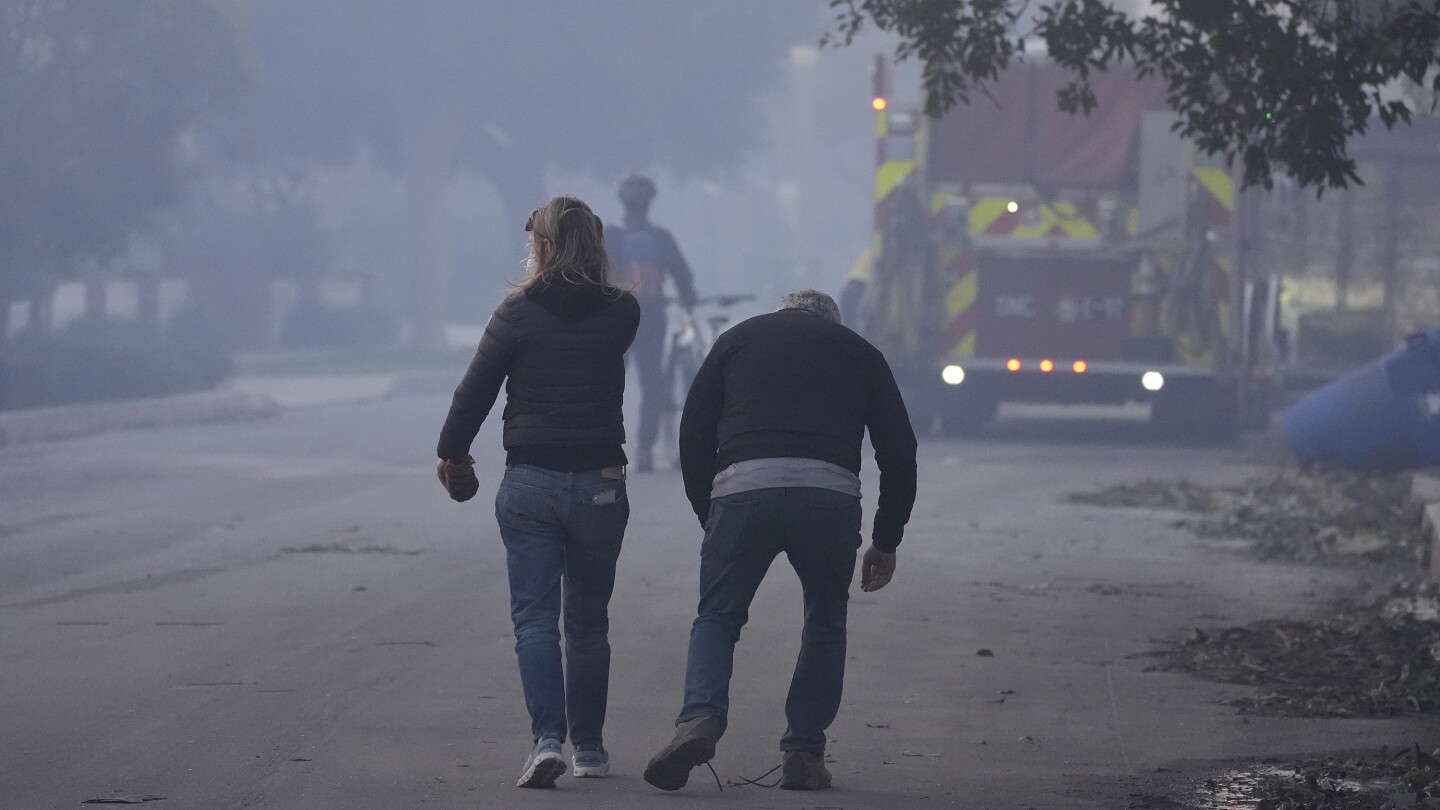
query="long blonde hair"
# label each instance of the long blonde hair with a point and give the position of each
(569, 246)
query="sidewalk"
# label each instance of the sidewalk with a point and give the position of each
(238, 399)
(70, 421)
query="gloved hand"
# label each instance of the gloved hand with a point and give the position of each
(458, 478)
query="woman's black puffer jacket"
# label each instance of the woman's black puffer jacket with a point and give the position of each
(562, 346)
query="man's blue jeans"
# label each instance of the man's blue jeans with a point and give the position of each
(562, 534)
(819, 531)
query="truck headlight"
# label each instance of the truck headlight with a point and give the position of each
(953, 375)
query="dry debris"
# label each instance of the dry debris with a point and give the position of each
(1371, 660)
(1409, 779)
(1303, 515)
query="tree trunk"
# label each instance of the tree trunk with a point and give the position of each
(7, 381)
(42, 311)
(147, 303)
(431, 137)
(1345, 249)
(1390, 231)
(521, 189)
(97, 294)
(308, 292)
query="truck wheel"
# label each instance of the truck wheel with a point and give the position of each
(1196, 414)
(968, 418)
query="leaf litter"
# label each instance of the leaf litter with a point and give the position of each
(1384, 780)
(1373, 659)
(1305, 515)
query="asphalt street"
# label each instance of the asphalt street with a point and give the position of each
(290, 614)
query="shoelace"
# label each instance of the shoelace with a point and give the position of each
(756, 782)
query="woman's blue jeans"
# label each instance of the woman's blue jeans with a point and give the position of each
(562, 534)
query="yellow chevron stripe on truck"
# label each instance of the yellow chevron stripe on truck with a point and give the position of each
(965, 348)
(984, 213)
(959, 307)
(992, 216)
(889, 175)
(1218, 183)
(962, 296)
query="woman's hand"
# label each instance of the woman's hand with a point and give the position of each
(458, 478)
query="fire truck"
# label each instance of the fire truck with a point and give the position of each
(1021, 253)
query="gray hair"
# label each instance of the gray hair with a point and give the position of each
(814, 302)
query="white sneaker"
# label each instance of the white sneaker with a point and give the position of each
(591, 761)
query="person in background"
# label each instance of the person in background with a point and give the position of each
(770, 444)
(558, 343)
(645, 256)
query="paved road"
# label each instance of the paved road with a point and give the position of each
(290, 614)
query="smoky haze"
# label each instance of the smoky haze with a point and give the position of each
(248, 248)
(382, 155)
(473, 113)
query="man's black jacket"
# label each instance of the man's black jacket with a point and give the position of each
(794, 384)
(562, 345)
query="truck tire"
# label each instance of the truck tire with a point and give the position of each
(967, 417)
(1206, 413)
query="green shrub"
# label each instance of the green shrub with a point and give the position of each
(97, 360)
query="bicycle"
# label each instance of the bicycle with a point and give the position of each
(685, 349)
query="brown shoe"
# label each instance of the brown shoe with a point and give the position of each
(802, 770)
(693, 744)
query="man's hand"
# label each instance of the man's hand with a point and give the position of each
(458, 478)
(876, 569)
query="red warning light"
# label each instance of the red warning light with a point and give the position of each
(879, 103)
(1047, 366)
(1013, 364)
(1080, 366)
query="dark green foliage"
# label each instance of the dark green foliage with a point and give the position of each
(94, 97)
(1280, 85)
(109, 359)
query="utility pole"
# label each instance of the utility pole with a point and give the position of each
(1344, 249)
(1390, 237)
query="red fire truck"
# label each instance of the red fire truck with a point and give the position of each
(1021, 253)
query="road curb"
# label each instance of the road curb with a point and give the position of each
(1425, 488)
(429, 382)
(71, 421)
